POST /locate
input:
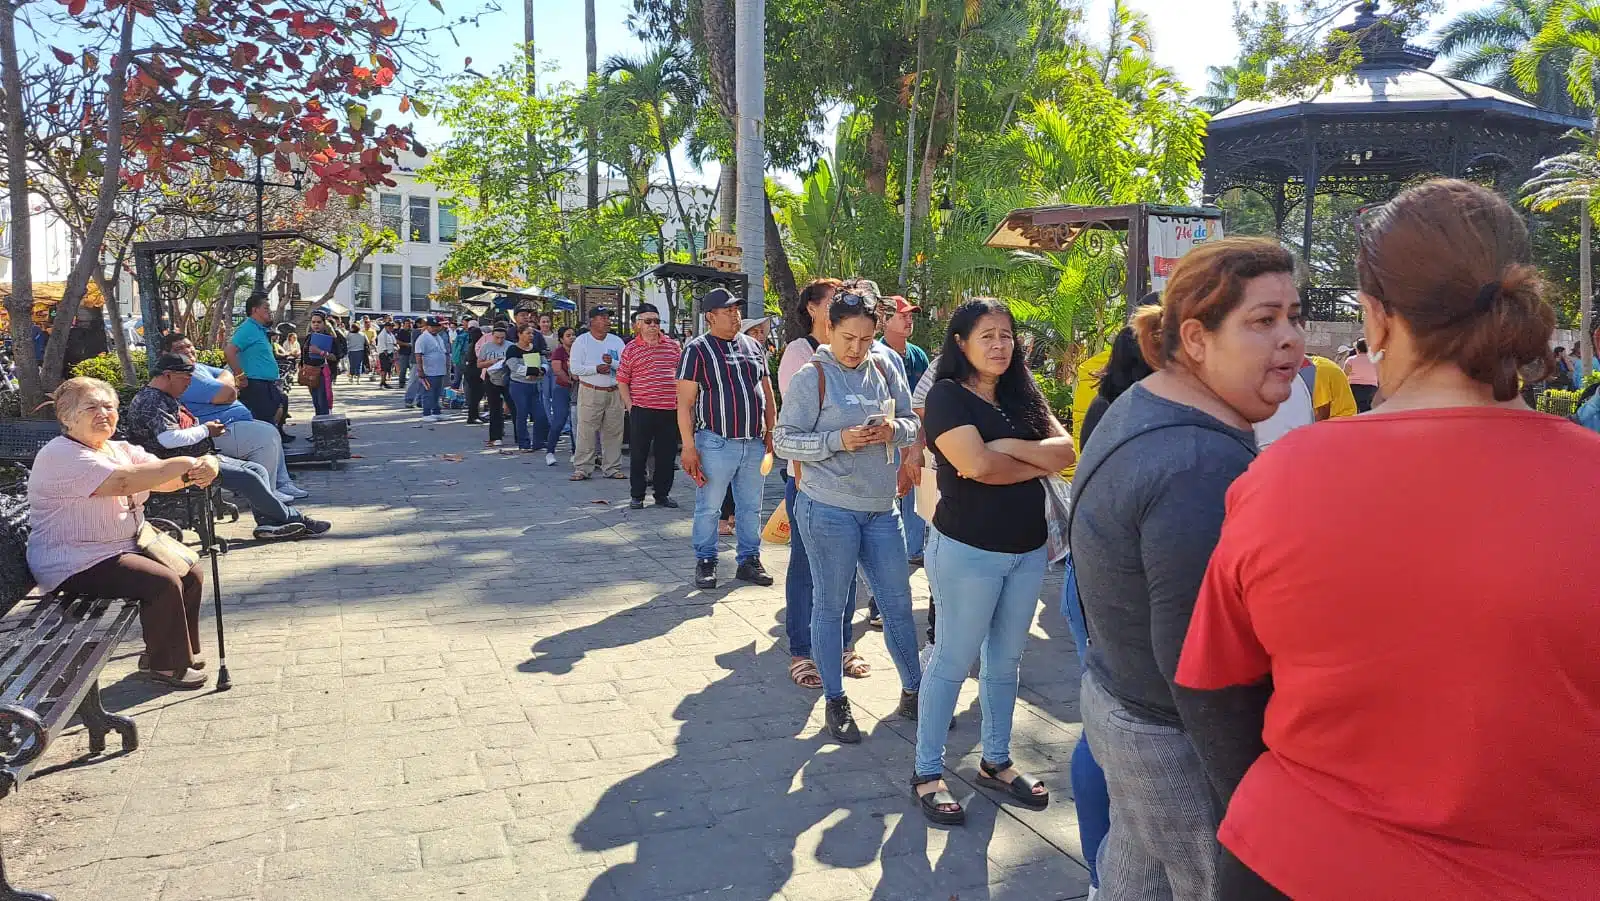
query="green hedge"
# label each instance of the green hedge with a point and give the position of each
(1058, 395)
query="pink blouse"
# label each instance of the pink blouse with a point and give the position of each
(72, 529)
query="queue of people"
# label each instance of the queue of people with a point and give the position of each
(1283, 694)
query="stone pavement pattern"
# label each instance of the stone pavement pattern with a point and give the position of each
(492, 683)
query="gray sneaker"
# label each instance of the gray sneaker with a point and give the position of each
(315, 528)
(279, 532)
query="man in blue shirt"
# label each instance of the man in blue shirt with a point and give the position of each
(255, 367)
(212, 396)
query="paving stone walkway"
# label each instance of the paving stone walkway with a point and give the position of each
(492, 683)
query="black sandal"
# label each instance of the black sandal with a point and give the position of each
(933, 803)
(1020, 788)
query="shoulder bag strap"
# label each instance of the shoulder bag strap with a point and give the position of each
(822, 391)
(1083, 479)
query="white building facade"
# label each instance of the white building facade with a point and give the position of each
(399, 283)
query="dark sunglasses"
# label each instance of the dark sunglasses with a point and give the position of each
(648, 321)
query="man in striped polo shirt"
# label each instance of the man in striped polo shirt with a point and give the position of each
(725, 419)
(648, 380)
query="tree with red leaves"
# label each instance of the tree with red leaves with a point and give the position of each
(133, 91)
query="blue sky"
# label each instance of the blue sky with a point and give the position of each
(1189, 36)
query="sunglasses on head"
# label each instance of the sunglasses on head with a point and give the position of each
(855, 300)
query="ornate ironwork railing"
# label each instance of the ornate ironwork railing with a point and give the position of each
(1322, 303)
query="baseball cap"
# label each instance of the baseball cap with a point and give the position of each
(901, 305)
(599, 311)
(171, 363)
(430, 321)
(719, 299)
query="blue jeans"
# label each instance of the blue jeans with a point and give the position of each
(916, 528)
(527, 402)
(252, 482)
(725, 462)
(874, 541)
(430, 394)
(798, 590)
(560, 412)
(986, 604)
(403, 359)
(357, 362)
(1089, 790)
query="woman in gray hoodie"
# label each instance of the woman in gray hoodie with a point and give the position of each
(843, 415)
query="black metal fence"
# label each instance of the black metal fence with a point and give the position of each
(1320, 303)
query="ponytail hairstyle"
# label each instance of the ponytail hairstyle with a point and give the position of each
(1452, 260)
(1207, 284)
(798, 323)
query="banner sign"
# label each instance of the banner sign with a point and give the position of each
(1170, 238)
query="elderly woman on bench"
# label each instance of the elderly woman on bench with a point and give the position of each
(86, 493)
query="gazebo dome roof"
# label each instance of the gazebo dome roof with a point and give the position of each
(1377, 88)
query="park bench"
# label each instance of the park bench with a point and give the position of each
(52, 649)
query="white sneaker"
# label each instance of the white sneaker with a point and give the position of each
(430, 419)
(549, 459)
(284, 497)
(294, 491)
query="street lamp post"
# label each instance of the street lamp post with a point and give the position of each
(260, 183)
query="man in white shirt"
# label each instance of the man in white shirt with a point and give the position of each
(595, 356)
(387, 346)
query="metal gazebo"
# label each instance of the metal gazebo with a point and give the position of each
(1391, 123)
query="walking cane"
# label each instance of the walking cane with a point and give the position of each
(212, 549)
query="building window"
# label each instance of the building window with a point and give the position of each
(361, 293)
(421, 287)
(447, 223)
(421, 219)
(390, 212)
(389, 286)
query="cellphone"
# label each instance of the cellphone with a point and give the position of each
(876, 420)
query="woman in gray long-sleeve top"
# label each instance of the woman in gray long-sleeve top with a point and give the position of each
(843, 414)
(1147, 509)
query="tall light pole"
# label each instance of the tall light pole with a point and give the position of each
(527, 40)
(749, 47)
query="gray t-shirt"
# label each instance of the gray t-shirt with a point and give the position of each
(1145, 520)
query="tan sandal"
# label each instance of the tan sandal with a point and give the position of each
(803, 672)
(856, 666)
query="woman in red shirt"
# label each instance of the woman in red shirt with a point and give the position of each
(1435, 733)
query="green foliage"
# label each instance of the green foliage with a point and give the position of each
(105, 368)
(1058, 393)
(1558, 402)
(512, 157)
(1286, 49)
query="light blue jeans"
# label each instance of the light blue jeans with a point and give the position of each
(845, 538)
(986, 604)
(916, 529)
(725, 462)
(798, 590)
(257, 442)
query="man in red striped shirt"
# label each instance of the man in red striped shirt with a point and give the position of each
(648, 380)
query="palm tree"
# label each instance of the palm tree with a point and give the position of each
(1223, 83)
(1481, 45)
(1571, 34)
(663, 92)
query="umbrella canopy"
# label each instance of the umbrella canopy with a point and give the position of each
(334, 308)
